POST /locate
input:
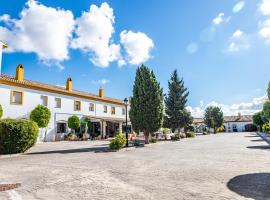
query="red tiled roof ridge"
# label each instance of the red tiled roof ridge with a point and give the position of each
(56, 88)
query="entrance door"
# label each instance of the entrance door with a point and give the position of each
(61, 127)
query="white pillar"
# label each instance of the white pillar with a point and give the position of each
(120, 127)
(103, 133)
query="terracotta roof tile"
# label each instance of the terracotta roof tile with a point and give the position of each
(56, 89)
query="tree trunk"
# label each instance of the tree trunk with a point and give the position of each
(146, 136)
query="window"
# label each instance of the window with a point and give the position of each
(44, 100)
(92, 107)
(57, 102)
(113, 111)
(123, 111)
(17, 97)
(77, 105)
(105, 109)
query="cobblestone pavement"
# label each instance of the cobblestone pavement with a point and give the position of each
(222, 166)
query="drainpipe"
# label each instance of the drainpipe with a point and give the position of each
(2, 46)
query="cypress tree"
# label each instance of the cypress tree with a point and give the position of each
(146, 105)
(175, 103)
(268, 90)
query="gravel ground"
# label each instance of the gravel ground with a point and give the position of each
(222, 166)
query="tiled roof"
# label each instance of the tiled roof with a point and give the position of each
(7, 79)
(240, 118)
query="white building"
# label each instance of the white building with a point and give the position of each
(239, 123)
(19, 96)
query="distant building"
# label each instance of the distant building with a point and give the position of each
(239, 123)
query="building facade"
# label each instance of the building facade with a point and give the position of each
(19, 96)
(239, 123)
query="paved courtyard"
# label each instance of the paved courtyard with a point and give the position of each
(223, 166)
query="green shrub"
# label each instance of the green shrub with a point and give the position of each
(153, 140)
(118, 142)
(71, 137)
(190, 134)
(74, 122)
(175, 136)
(1, 111)
(16, 136)
(266, 128)
(182, 135)
(41, 115)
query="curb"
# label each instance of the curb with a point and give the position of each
(264, 137)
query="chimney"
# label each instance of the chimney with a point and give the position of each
(239, 115)
(69, 84)
(2, 46)
(19, 73)
(101, 92)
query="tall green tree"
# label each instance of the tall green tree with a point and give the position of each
(266, 109)
(175, 102)
(146, 105)
(213, 117)
(1, 111)
(268, 90)
(41, 115)
(258, 119)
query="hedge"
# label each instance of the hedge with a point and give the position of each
(1, 111)
(17, 135)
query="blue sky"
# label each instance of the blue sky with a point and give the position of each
(221, 48)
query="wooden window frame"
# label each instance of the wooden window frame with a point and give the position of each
(105, 111)
(60, 102)
(80, 103)
(113, 110)
(12, 97)
(91, 105)
(47, 99)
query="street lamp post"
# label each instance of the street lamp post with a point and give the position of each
(126, 104)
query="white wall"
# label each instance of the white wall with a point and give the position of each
(240, 126)
(32, 98)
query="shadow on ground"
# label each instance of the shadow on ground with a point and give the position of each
(100, 149)
(252, 136)
(257, 140)
(255, 186)
(262, 147)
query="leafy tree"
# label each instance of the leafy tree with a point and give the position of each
(41, 115)
(268, 90)
(74, 122)
(266, 109)
(146, 105)
(175, 103)
(186, 120)
(213, 117)
(1, 111)
(258, 119)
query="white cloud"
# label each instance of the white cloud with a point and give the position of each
(101, 81)
(264, 31)
(43, 30)
(264, 7)
(137, 46)
(237, 33)
(94, 31)
(238, 41)
(238, 7)
(245, 108)
(221, 19)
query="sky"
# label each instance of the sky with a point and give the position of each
(220, 48)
